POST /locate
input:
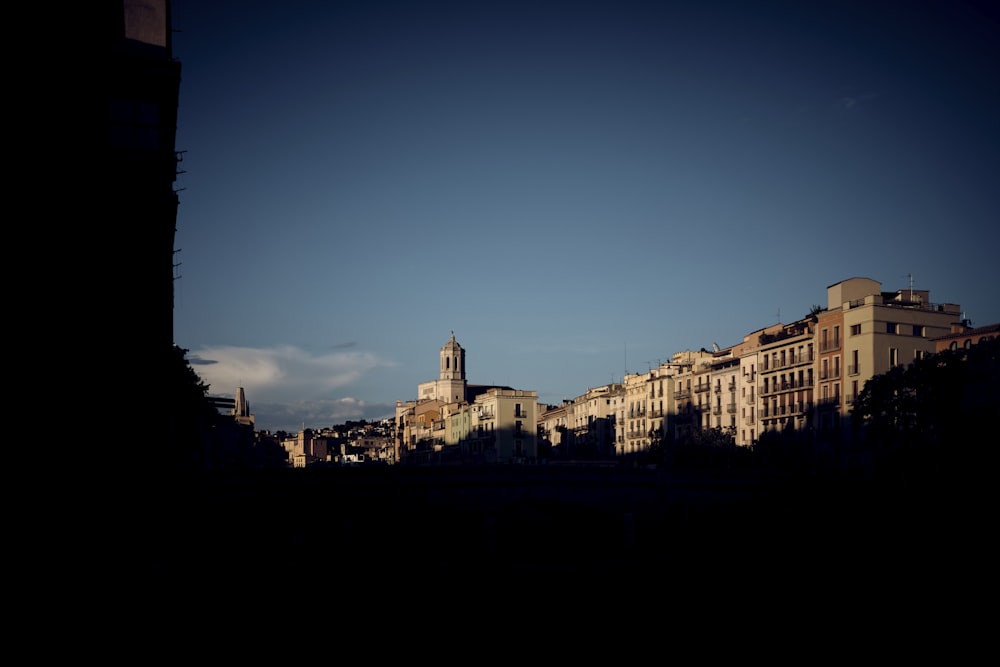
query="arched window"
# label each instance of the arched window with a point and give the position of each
(953, 346)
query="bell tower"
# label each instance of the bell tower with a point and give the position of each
(452, 360)
(450, 385)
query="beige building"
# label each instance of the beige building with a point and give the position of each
(686, 370)
(499, 426)
(785, 361)
(553, 425)
(881, 330)
(636, 429)
(453, 420)
(725, 377)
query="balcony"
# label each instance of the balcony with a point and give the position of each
(854, 369)
(731, 408)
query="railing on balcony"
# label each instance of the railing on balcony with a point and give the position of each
(731, 408)
(682, 394)
(853, 369)
(788, 385)
(701, 387)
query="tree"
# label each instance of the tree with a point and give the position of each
(923, 416)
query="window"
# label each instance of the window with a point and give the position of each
(918, 330)
(855, 329)
(893, 357)
(890, 327)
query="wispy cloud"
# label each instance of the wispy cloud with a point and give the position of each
(276, 379)
(851, 102)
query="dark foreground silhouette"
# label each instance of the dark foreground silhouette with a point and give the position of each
(506, 528)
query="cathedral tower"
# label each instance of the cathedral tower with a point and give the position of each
(452, 360)
(450, 387)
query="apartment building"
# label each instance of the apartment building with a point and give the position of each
(868, 333)
(685, 370)
(725, 376)
(499, 426)
(963, 336)
(553, 425)
(785, 361)
(593, 419)
(637, 428)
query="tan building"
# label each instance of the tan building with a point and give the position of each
(881, 330)
(725, 379)
(303, 449)
(553, 425)
(502, 427)
(636, 422)
(785, 363)
(593, 419)
(453, 420)
(963, 336)
(686, 370)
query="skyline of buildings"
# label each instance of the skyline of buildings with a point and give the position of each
(800, 375)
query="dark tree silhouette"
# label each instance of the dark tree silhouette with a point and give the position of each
(928, 416)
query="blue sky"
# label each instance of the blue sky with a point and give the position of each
(576, 189)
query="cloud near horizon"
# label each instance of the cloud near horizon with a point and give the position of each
(275, 380)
